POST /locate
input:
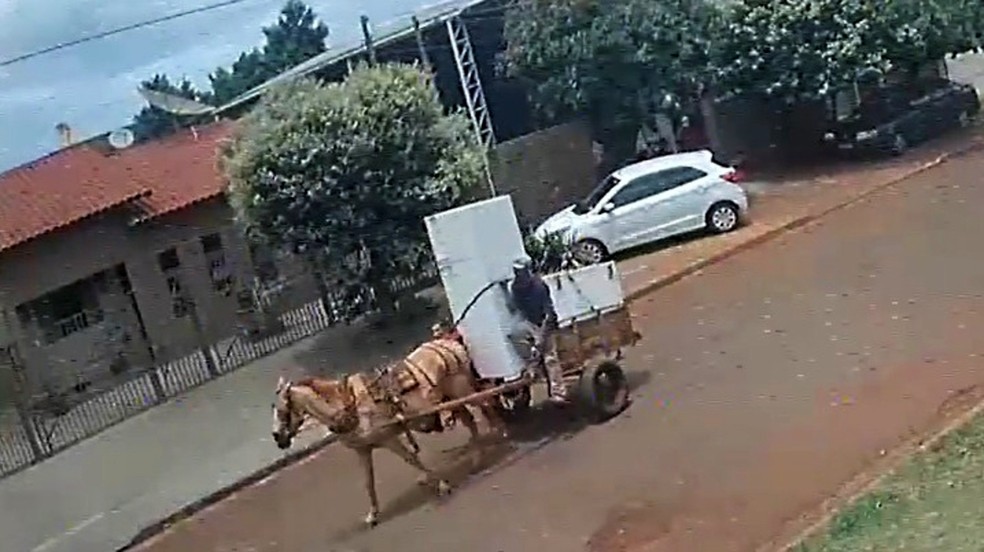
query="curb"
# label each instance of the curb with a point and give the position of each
(798, 222)
(189, 510)
(292, 458)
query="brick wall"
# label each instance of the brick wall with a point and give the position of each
(545, 171)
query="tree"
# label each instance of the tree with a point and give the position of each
(793, 50)
(614, 60)
(153, 122)
(797, 50)
(345, 173)
(296, 37)
(913, 32)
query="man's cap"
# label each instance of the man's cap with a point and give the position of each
(522, 263)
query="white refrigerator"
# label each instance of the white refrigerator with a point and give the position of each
(474, 247)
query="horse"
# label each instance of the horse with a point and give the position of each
(368, 413)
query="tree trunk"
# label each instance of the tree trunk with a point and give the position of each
(314, 264)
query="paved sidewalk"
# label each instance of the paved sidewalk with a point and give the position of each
(777, 205)
(97, 495)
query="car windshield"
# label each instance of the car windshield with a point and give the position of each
(595, 196)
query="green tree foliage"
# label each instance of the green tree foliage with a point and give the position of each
(296, 37)
(611, 59)
(347, 171)
(549, 253)
(152, 122)
(910, 32)
(796, 49)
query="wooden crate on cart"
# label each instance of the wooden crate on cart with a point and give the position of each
(604, 335)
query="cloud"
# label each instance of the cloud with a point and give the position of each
(93, 86)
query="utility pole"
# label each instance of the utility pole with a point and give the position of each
(421, 47)
(471, 87)
(367, 37)
(428, 69)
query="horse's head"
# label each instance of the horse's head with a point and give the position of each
(287, 418)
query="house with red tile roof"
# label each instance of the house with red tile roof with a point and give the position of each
(100, 248)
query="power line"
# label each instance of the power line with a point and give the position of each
(499, 11)
(118, 30)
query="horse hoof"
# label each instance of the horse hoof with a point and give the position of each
(443, 488)
(372, 520)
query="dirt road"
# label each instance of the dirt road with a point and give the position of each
(762, 385)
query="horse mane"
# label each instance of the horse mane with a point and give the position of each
(326, 388)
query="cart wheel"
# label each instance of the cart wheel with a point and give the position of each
(514, 405)
(603, 389)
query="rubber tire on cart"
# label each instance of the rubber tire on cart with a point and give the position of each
(515, 405)
(603, 390)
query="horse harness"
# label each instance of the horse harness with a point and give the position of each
(359, 394)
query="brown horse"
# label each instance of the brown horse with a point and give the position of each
(365, 413)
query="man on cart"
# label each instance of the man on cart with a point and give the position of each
(529, 296)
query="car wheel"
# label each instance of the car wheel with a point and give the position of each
(590, 252)
(722, 217)
(899, 144)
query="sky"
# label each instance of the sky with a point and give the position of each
(93, 87)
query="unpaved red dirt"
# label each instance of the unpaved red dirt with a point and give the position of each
(762, 385)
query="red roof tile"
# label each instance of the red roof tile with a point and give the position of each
(181, 170)
(58, 190)
(77, 182)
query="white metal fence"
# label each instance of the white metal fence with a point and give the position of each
(52, 434)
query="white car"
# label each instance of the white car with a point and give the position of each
(649, 201)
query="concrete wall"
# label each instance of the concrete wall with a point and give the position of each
(546, 170)
(102, 243)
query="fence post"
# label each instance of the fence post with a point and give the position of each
(155, 381)
(11, 351)
(314, 265)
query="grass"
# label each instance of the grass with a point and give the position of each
(933, 503)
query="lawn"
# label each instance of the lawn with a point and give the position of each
(933, 503)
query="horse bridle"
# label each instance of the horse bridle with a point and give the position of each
(288, 399)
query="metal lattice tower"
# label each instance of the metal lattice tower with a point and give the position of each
(471, 87)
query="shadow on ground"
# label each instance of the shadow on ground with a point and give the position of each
(546, 423)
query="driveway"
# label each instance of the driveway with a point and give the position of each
(763, 383)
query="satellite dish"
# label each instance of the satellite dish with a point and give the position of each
(121, 138)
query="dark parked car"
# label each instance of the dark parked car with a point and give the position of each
(890, 119)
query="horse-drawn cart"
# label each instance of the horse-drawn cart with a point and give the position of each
(474, 367)
(594, 323)
(590, 353)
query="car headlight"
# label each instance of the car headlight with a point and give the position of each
(829, 136)
(866, 134)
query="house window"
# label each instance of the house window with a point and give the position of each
(170, 265)
(179, 307)
(65, 311)
(212, 243)
(168, 260)
(218, 269)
